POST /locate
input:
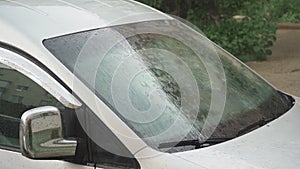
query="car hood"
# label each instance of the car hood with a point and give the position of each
(273, 146)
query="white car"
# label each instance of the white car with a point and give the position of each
(117, 84)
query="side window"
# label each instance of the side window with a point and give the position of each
(18, 94)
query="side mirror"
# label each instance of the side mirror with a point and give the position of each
(41, 134)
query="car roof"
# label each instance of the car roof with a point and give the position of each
(35, 20)
(24, 24)
(46, 18)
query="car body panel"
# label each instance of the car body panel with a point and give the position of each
(275, 145)
(25, 24)
(15, 160)
(45, 19)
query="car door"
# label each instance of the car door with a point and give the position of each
(23, 86)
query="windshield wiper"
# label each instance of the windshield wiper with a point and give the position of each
(254, 126)
(197, 143)
(212, 141)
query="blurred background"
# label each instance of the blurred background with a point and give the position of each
(263, 33)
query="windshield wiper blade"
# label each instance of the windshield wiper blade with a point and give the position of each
(197, 143)
(212, 141)
(254, 126)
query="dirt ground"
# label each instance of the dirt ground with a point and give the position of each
(282, 69)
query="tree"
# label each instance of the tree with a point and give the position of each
(248, 39)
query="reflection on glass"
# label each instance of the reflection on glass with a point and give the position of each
(17, 95)
(126, 67)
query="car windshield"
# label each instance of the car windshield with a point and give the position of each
(168, 82)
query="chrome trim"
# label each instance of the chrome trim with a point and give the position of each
(41, 134)
(39, 76)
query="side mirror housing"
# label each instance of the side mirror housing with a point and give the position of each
(41, 134)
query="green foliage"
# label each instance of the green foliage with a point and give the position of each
(248, 39)
(285, 10)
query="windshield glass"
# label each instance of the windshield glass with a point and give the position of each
(167, 82)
